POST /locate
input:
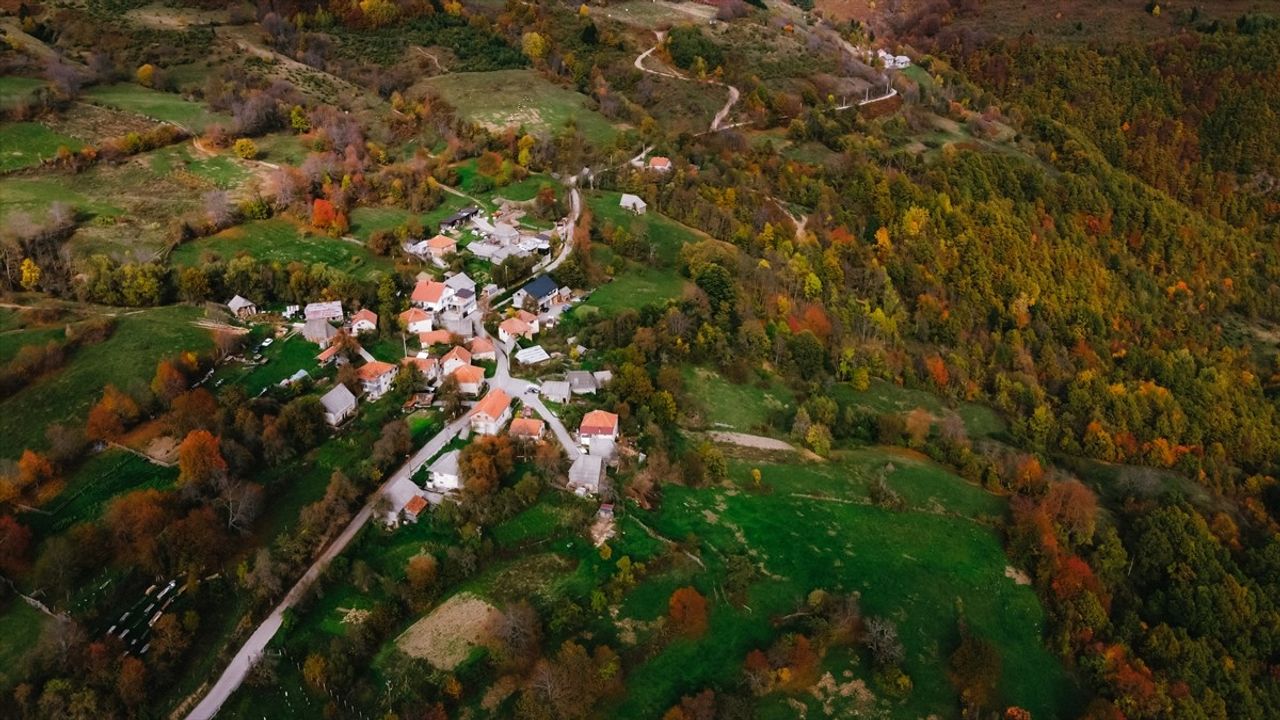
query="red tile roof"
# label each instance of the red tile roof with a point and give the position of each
(374, 369)
(441, 242)
(527, 427)
(429, 291)
(365, 314)
(469, 374)
(435, 337)
(494, 404)
(599, 422)
(481, 345)
(416, 505)
(457, 353)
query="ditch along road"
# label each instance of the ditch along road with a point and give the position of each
(238, 669)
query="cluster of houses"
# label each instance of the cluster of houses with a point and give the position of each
(496, 239)
(891, 61)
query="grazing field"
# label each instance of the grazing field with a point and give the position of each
(882, 397)
(168, 107)
(20, 626)
(127, 360)
(520, 98)
(97, 481)
(11, 341)
(284, 241)
(282, 359)
(920, 567)
(636, 287)
(15, 89)
(25, 144)
(367, 220)
(666, 235)
(221, 171)
(722, 405)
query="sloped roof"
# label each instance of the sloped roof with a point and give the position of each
(481, 345)
(514, 326)
(458, 353)
(435, 337)
(587, 471)
(365, 314)
(441, 242)
(532, 356)
(428, 291)
(446, 464)
(526, 427)
(494, 404)
(374, 369)
(541, 286)
(238, 303)
(416, 505)
(338, 400)
(599, 422)
(469, 374)
(331, 310)
(414, 314)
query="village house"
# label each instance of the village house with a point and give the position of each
(364, 321)
(633, 203)
(491, 413)
(430, 295)
(598, 423)
(461, 296)
(586, 474)
(331, 311)
(454, 359)
(375, 378)
(319, 331)
(327, 355)
(459, 218)
(441, 246)
(443, 473)
(428, 366)
(527, 428)
(339, 404)
(581, 382)
(542, 289)
(482, 349)
(513, 328)
(415, 507)
(435, 337)
(657, 163)
(241, 307)
(470, 379)
(556, 391)
(532, 355)
(416, 320)
(603, 377)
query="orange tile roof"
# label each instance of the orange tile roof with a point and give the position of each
(457, 353)
(328, 354)
(599, 422)
(435, 337)
(374, 369)
(416, 505)
(527, 427)
(426, 365)
(469, 374)
(494, 404)
(515, 326)
(365, 314)
(659, 162)
(527, 316)
(414, 314)
(481, 345)
(429, 291)
(440, 242)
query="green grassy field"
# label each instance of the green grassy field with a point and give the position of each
(284, 358)
(24, 144)
(14, 89)
(882, 397)
(11, 341)
(367, 220)
(723, 405)
(20, 626)
(97, 481)
(666, 235)
(168, 107)
(522, 98)
(222, 171)
(283, 241)
(916, 567)
(128, 358)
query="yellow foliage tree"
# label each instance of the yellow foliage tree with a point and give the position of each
(31, 273)
(533, 45)
(146, 75)
(245, 148)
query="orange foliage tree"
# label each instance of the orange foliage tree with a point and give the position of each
(688, 611)
(111, 416)
(200, 461)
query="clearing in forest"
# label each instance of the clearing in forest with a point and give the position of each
(446, 636)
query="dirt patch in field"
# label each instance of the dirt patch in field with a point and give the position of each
(1017, 576)
(446, 637)
(94, 123)
(759, 442)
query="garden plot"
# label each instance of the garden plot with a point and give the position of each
(446, 637)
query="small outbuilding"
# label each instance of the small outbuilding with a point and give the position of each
(586, 474)
(634, 203)
(242, 307)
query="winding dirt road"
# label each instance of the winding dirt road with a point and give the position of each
(717, 123)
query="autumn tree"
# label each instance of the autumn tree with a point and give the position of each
(111, 416)
(974, 672)
(201, 467)
(15, 546)
(421, 573)
(687, 610)
(485, 462)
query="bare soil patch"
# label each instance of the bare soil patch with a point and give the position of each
(758, 442)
